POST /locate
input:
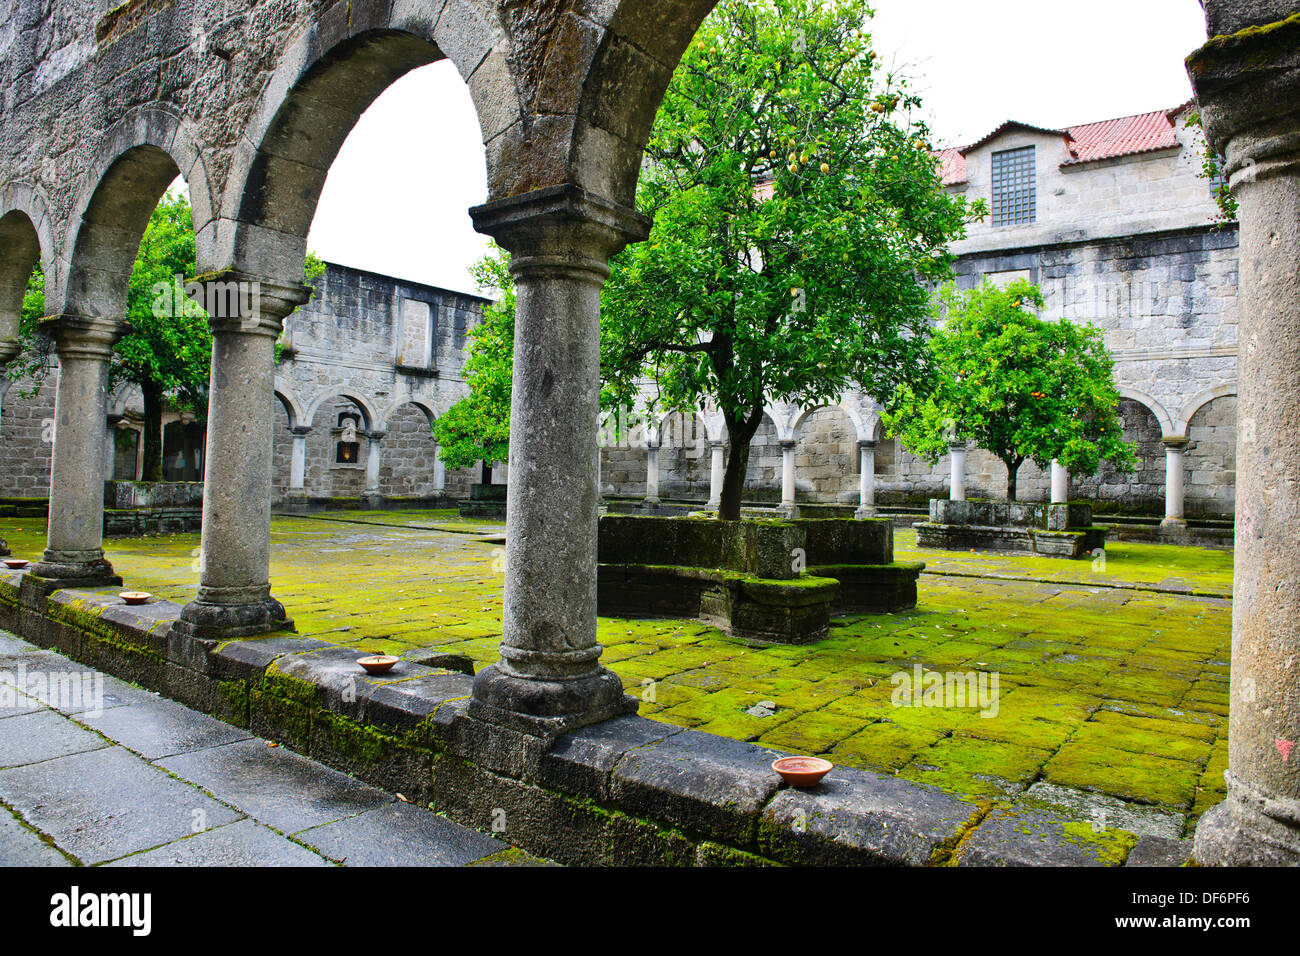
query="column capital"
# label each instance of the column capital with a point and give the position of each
(1174, 442)
(1247, 84)
(560, 231)
(9, 350)
(375, 434)
(867, 443)
(83, 336)
(249, 304)
(788, 444)
(300, 431)
(956, 446)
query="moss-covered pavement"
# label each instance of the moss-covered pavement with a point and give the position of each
(1112, 678)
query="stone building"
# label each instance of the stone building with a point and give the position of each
(1119, 228)
(365, 367)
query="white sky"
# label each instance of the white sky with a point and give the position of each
(397, 197)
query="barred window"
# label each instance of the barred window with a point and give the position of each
(1014, 193)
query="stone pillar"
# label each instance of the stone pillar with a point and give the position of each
(234, 598)
(74, 554)
(1248, 85)
(652, 472)
(1174, 449)
(296, 498)
(8, 352)
(1060, 484)
(787, 477)
(716, 472)
(549, 679)
(867, 479)
(439, 470)
(371, 498)
(957, 486)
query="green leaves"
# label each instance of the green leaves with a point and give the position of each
(1018, 386)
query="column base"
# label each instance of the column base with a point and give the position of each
(713, 505)
(373, 501)
(4, 548)
(547, 708)
(866, 511)
(74, 569)
(1174, 524)
(296, 502)
(1248, 831)
(207, 619)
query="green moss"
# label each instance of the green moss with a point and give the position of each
(1111, 847)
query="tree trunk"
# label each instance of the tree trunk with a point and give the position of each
(1013, 469)
(152, 468)
(740, 435)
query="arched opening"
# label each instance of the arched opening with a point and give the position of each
(26, 406)
(763, 476)
(336, 447)
(684, 457)
(1211, 463)
(827, 462)
(409, 468)
(1143, 490)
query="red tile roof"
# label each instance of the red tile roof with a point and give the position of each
(1109, 139)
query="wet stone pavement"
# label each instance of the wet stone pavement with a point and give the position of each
(1111, 691)
(95, 771)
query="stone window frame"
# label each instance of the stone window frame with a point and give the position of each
(339, 444)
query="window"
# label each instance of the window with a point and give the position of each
(1014, 195)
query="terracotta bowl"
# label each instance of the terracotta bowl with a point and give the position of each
(379, 664)
(135, 597)
(16, 563)
(802, 771)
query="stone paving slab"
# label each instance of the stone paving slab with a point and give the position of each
(20, 846)
(104, 804)
(44, 735)
(400, 834)
(162, 728)
(41, 672)
(243, 843)
(276, 786)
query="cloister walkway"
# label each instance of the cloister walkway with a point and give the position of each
(1112, 680)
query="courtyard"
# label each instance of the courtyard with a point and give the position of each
(1111, 693)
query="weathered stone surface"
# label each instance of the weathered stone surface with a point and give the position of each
(20, 846)
(580, 762)
(399, 834)
(704, 784)
(243, 843)
(855, 818)
(274, 786)
(106, 803)
(161, 728)
(1009, 837)
(30, 738)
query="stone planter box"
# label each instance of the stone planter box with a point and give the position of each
(1051, 530)
(741, 577)
(135, 509)
(485, 501)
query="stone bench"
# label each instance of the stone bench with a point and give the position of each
(1051, 530)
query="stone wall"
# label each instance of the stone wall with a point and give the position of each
(26, 427)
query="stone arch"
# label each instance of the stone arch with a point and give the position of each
(685, 460)
(1210, 463)
(26, 241)
(1184, 419)
(763, 474)
(1143, 489)
(1163, 417)
(827, 460)
(408, 459)
(132, 167)
(353, 395)
(326, 79)
(424, 406)
(859, 424)
(289, 401)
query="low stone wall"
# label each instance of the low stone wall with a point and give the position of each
(1051, 530)
(484, 501)
(135, 509)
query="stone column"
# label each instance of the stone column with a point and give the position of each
(371, 498)
(549, 679)
(652, 472)
(8, 352)
(439, 470)
(957, 487)
(1174, 448)
(787, 477)
(74, 554)
(234, 598)
(867, 479)
(296, 499)
(1248, 85)
(1060, 484)
(717, 470)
